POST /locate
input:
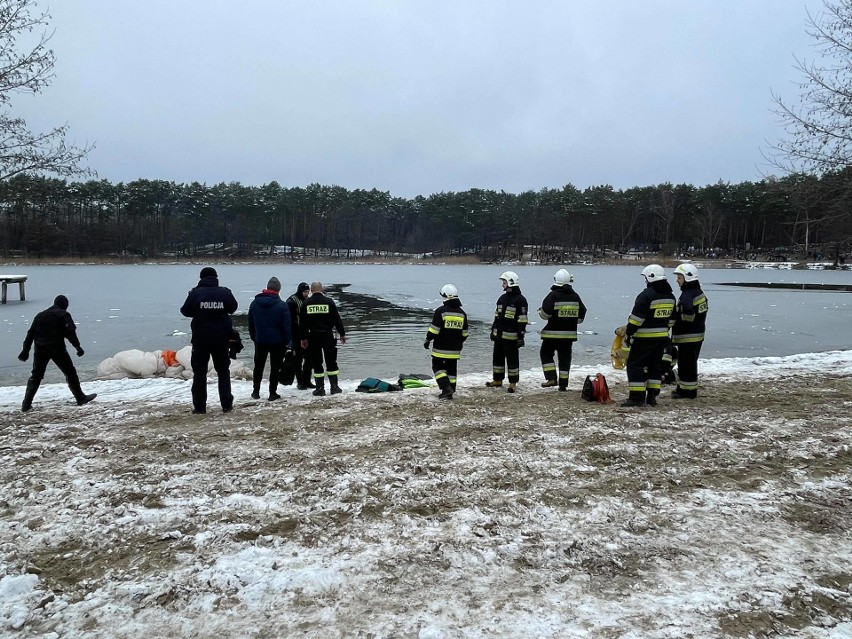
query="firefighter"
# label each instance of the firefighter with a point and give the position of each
(318, 319)
(563, 309)
(507, 332)
(690, 318)
(446, 335)
(646, 336)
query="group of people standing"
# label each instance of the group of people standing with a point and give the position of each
(654, 313)
(307, 326)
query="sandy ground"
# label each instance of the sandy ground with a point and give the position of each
(533, 515)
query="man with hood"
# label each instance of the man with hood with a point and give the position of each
(48, 332)
(303, 362)
(646, 336)
(210, 306)
(507, 332)
(563, 310)
(446, 335)
(690, 318)
(269, 329)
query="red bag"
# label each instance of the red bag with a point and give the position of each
(595, 389)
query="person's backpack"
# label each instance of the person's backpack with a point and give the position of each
(373, 385)
(595, 389)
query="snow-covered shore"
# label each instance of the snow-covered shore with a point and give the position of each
(397, 515)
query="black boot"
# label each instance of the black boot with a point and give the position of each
(320, 389)
(32, 387)
(335, 389)
(85, 399)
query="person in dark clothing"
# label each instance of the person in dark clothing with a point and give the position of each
(690, 320)
(507, 332)
(269, 329)
(318, 319)
(646, 336)
(48, 332)
(446, 335)
(304, 368)
(563, 310)
(210, 306)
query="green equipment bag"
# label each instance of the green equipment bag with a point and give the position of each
(414, 380)
(373, 385)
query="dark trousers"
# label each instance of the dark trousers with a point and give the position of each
(41, 358)
(201, 354)
(275, 352)
(506, 356)
(445, 371)
(556, 347)
(644, 366)
(323, 346)
(304, 367)
(687, 368)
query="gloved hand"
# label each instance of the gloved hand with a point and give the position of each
(493, 336)
(426, 344)
(628, 341)
(520, 341)
(24, 356)
(80, 351)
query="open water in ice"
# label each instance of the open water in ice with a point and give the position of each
(387, 310)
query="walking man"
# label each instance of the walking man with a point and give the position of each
(563, 310)
(507, 332)
(210, 306)
(303, 362)
(318, 320)
(690, 319)
(646, 336)
(447, 334)
(269, 329)
(48, 332)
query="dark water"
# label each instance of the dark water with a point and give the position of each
(387, 310)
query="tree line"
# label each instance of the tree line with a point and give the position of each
(50, 217)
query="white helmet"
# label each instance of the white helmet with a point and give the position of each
(562, 277)
(653, 273)
(511, 278)
(689, 272)
(449, 292)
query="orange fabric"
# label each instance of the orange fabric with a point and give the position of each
(169, 358)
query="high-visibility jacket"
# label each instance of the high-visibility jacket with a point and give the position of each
(690, 316)
(510, 316)
(563, 309)
(651, 312)
(448, 330)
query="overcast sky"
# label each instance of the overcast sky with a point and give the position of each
(422, 97)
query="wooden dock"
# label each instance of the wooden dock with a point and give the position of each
(5, 280)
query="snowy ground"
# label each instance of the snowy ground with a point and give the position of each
(396, 515)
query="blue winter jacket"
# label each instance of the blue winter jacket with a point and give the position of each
(269, 319)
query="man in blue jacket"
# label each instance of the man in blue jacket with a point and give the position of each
(269, 329)
(210, 306)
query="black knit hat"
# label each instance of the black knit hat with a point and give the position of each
(61, 301)
(273, 284)
(303, 286)
(209, 271)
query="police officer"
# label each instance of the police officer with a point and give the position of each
(507, 332)
(563, 309)
(318, 320)
(690, 318)
(210, 306)
(48, 332)
(447, 334)
(269, 329)
(646, 336)
(303, 362)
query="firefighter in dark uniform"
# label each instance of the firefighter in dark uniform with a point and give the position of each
(303, 362)
(563, 310)
(690, 318)
(446, 335)
(210, 306)
(507, 332)
(48, 332)
(646, 336)
(318, 320)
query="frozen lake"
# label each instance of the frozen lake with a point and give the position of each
(387, 310)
